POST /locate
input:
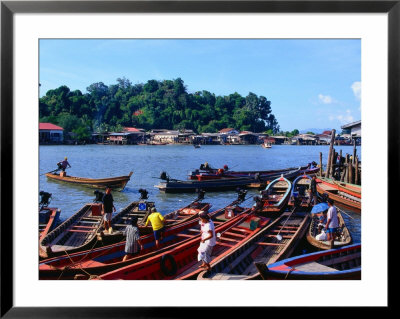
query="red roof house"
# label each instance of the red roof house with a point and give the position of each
(50, 133)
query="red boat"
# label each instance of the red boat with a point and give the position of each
(104, 259)
(350, 189)
(181, 261)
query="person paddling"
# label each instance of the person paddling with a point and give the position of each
(62, 165)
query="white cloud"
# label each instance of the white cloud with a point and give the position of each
(356, 87)
(326, 99)
(345, 118)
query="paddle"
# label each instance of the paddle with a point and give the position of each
(49, 172)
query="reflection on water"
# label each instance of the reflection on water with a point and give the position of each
(147, 162)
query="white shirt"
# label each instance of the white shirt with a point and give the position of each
(332, 215)
(205, 228)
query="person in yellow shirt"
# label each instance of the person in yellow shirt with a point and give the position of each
(157, 223)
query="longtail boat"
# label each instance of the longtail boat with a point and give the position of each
(104, 259)
(334, 264)
(175, 186)
(117, 183)
(76, 233)
(213, 174)
(275, 197)
(48, 219)
(300, 193)
(275, 242)
(343, 237)
(142, 209)
(350, 189)
(342, 199)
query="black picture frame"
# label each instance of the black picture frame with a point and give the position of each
(9, 8)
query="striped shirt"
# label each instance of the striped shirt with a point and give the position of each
(132, 237)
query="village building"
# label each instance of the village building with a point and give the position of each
(279, 140)
(229, 136)
(247, 137)
(164, 136)
(50, 134)
(352, 131)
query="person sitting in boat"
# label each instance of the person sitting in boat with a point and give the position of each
(205, 166)
(321, 232)
(157, 223)
(226, 167)
(220, 172)
(133, 244)
(62, 165)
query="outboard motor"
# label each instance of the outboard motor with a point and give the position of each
(201, 194)
(99, 196)
(164, 176)
(241, 195)
(143, 193)
(44, 199)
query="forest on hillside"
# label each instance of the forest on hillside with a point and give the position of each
(154, 105)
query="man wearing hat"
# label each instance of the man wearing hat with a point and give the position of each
(63, 164)
(332, 222)
(207, 241)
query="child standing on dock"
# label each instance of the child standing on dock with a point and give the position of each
(207, 241)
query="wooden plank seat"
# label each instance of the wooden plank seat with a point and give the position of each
(82, 230)
(184, 235)
(243, 230)
(283, 231)
(82, 226)
(194, 230)
(283, 236)
(225, 244)
(235, 234)
(229, 239)
(269, 244)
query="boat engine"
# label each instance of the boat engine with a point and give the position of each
(44, 199)
(164, 176)
(143, 193)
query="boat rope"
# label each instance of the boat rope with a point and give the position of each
(283, 225)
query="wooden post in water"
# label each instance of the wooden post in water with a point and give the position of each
(346, 179)
(351, 174)
(334, 155)
(340, 164)
(328, 166)
(320, 164)
(354, 151)
(357, 178)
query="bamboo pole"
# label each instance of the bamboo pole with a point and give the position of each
(330, 153)
(320, 164)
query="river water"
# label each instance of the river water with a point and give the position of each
(147, 162)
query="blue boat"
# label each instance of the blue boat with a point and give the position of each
(340, 263)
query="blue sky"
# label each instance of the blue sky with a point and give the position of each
(310, 83)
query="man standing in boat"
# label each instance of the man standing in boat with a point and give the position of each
(107, 209)
(62, 165)
(332, 222)
(313, 189)
(207, 242)
(157, 223)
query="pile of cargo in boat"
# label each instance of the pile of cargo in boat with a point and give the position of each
(274, 242)
(117, 183)
(334, 264)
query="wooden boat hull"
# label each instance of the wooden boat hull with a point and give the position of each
(117, 183)
(335, 264)
(304, 200)
(49, 222)
(351, 189)
(264, 246)
(176, 186)
(340, 199)
(119, 221)
(276, 195)
(180, 258)
(75, 234)
(344, 240)
(104, 259)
